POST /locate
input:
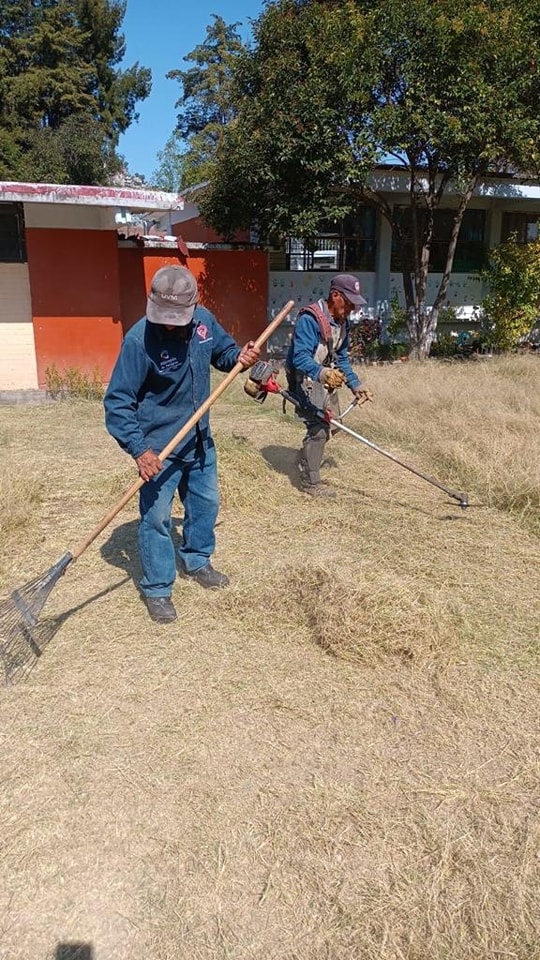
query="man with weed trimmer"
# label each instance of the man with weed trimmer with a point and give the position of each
(317, 365)
(262, 381)
(161, 377)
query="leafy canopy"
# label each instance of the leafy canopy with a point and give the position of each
(206, 105)
(449, 90)
(446, 89)
(63, 99)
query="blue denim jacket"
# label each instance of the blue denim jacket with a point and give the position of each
(158, 382)
(305, 340)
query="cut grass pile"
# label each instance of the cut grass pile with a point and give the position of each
(337, 757)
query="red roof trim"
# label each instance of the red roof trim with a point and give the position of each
(88, 195)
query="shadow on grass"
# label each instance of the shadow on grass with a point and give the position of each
(283, 460)
(122, 548)
(74, 951)
(24, 646)
(431, 505)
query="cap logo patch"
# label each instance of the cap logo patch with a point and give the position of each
(168, 296)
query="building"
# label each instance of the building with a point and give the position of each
(76, 263)
(362, 244)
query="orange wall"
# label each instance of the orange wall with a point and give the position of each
(75, 289)
(132, 285)
(233, 284)
(86, 293)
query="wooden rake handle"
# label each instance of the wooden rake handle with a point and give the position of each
(80, 547)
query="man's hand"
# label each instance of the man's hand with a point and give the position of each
(331, 378)
(362, 395)
(249, 354)
(148, 464)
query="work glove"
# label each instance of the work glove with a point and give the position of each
(362, 395)
(331, 378)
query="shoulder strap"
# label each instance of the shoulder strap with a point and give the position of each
(324, 326)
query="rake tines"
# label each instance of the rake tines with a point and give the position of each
(22, 639)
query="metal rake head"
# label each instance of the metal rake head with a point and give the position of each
(22, 637)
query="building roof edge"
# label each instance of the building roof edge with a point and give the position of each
(135, 199)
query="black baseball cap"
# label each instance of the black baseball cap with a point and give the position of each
(349, 286)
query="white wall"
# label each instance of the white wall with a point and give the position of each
(465, 290)
(69, 216)
(306, 286)
(18, 370)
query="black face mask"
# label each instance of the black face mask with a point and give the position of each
(178, 333)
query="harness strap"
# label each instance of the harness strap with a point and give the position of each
(324, 327)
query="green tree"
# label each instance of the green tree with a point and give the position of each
(512, 305)
(447, 91)
(206, 105)
(169, 174)
(63, 99)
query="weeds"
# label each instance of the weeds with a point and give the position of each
(73, 383)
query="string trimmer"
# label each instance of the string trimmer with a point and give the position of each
(19, 613)
(262, 381)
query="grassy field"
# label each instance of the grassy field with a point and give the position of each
(335, 759)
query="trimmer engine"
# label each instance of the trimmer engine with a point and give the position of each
(261, 381)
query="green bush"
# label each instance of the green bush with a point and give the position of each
(397, 328)
(392, 351)
(444, 345)
(511, 306)
(73, 383)
(447, 315)
(364, 343)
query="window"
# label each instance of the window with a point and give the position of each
(12, 245)
(470, 250)
(524, 225)
(346, 245)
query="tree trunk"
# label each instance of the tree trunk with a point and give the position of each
(445, 280)
(422, 328)
(421, 321)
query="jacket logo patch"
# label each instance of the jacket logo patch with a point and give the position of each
(202, 331)
(166, 362)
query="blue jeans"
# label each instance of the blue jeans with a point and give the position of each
(195, 478)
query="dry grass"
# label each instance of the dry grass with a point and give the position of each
(477, 424)
(336, 758)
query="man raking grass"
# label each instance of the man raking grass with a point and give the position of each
(20, 611)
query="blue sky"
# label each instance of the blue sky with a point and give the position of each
(159, 33)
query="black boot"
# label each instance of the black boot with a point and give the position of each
(208, 577)
(161, 609)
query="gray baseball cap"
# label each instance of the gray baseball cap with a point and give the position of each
(173, 297)
(349, 286)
